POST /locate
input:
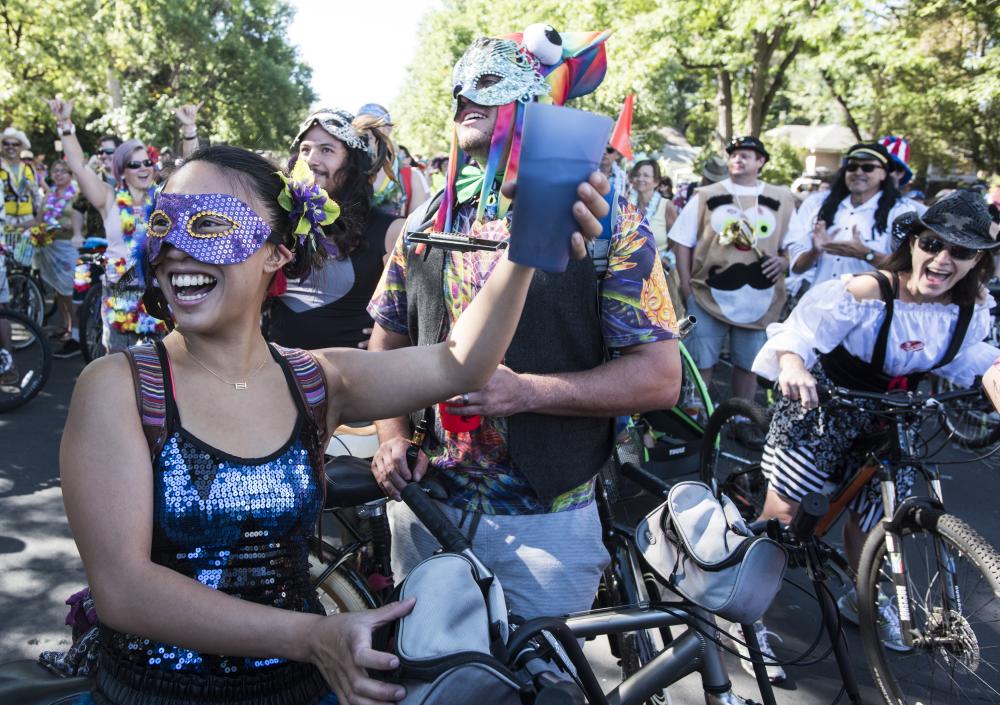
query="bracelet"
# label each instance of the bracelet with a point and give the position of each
(191, 137)
(71, 130)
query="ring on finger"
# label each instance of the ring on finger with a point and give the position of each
(465, 399)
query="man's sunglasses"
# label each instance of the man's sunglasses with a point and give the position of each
(610, 150)
(867, 168)
(11, 144)
(137, 164)
(932, 245)
(106, 151)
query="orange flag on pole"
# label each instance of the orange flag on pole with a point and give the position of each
(621, 136)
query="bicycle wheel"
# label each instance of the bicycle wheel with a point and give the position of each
(340, 590)
(971, 422)
(636, 649)
(956, 654)
(91, 325)
(25, 366)
(694, 403)
(728, 466)
(26, 297)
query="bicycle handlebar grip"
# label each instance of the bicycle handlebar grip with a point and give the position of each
(645, 479)
(812, 508)
(446, 533)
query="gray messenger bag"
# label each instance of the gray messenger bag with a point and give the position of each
(699, 546)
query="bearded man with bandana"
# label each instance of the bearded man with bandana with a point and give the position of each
(593, 343)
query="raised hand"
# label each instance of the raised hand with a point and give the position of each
(62, 109)
(187, 115)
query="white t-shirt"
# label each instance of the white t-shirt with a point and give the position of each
(828, 315)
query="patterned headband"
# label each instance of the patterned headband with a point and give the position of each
(337, 123)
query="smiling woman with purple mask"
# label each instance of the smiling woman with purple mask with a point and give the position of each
(195, 539)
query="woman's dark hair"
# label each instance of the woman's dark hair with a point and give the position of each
(839, 191)
(354, 192)
(966, 291)
(646, 162)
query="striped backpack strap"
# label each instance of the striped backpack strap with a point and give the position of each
(311, 385)
(150, 395)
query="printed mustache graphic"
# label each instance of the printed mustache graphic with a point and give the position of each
(736, 276)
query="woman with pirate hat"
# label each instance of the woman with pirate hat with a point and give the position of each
(926, 309)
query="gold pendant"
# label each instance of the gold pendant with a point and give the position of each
(239, 385)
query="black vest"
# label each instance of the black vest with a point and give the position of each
(847, 370)
(559, 331)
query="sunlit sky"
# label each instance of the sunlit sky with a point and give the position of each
(358, 51)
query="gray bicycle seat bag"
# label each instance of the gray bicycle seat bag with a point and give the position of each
(451, 646)
(701, 548)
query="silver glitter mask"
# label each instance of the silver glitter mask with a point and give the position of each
(505, 58)
(337, 123)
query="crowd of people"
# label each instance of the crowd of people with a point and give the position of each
(213, 426)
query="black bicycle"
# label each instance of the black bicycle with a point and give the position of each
(922, 567)
(25, 359)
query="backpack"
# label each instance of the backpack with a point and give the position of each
(700, 548)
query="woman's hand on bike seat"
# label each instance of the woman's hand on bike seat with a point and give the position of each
(391, 468)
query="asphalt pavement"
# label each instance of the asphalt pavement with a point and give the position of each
(40, 566)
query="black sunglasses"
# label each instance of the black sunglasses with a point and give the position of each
(867, 168)
(610, 150)
(107, 151)
(932, 245)
(11, 144)
(137, 164)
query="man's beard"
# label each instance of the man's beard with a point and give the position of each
(474, 142)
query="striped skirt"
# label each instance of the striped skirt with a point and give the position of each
(814, 451)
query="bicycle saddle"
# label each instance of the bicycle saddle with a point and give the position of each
(27, 683)
(349, 482)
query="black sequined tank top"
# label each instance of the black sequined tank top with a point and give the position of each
(238, 525)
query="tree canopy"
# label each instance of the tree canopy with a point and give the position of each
(925, 69)
(125, 64)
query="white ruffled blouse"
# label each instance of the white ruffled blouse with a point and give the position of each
(828, 315)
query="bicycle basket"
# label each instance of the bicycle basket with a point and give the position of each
(21, 249)
(700, 547)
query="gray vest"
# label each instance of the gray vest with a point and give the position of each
(559, 331)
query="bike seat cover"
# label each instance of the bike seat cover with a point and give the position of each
(349, 482)
(25, 682)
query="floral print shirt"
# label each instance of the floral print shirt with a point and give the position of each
(475, 466)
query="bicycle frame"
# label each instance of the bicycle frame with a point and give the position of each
(689, 653)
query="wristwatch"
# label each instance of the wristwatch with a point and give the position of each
(64, 130)
(870, 256)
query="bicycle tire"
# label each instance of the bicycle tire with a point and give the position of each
(966, 548)
(26, 297)
(27, 335)
(971, 423)
(729, 467)
(638, 648)
(91, 325)
(340, 591)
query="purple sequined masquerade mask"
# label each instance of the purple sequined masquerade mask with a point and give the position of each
(236, 232)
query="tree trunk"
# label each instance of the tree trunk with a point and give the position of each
(114, 89)
(761, 69)
(724, 104)
(852, 123)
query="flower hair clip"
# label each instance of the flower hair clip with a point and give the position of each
(309, 207)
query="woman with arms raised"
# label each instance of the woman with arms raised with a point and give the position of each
(195, 540)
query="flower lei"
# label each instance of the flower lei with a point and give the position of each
(309, 207)
(43, 234)
(127, 314)
(123, 199)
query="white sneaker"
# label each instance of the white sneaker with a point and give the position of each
(889, 631)
(775, 673)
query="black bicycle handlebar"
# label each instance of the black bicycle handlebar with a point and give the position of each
(903, 399)
(441, 528)
(645, 479)
(812, 508)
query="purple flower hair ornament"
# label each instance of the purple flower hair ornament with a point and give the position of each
(309, 208)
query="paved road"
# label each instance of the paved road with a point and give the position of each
(40, 567)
